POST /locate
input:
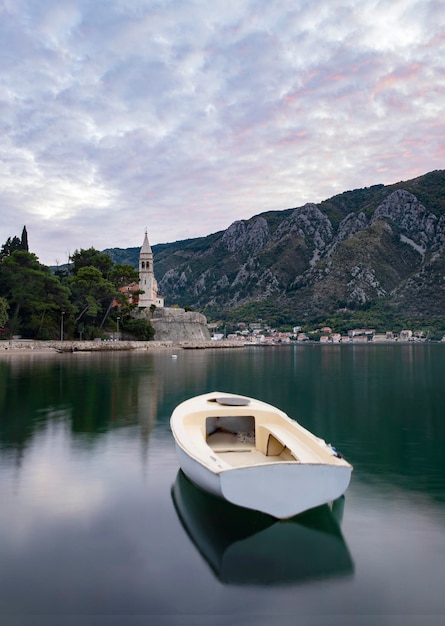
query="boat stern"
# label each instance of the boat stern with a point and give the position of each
(284, 490)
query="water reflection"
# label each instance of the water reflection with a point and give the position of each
(87, 522)
(382, 406)
(247, 547)
(93, 394)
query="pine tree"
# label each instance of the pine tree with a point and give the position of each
(9, 246)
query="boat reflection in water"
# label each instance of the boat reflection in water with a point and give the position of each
(248, 547)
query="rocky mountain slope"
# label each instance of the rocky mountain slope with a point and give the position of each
(378, 248)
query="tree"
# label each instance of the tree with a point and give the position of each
(24, 240)
(4, 306)
(86, 293)
(34, 295)
(140, 328)
(95, 283)
(91, 258)
(90, 291)
(15, 243)
(10, 246)
(122, 275)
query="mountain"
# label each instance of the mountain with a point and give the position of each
(375, 255)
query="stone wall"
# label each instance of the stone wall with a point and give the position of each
(25, 346)
(178, 325)
(30, 347)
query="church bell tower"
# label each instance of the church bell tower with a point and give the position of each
(146, 274)
(147, 280)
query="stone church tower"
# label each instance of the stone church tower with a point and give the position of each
(147, 280)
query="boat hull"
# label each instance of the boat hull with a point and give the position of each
(284, 490)
(280, 490)
(198, 473)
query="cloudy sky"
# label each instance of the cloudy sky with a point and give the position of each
(182, 116)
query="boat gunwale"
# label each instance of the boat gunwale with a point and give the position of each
(212, 459)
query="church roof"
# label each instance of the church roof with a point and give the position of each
(146, 249)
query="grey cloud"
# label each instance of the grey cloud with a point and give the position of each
(123, 115)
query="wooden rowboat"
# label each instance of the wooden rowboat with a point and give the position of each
(253, 455)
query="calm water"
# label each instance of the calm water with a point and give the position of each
(96, 523)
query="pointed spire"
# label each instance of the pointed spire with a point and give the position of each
(146, 246)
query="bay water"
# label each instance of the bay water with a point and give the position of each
(97, 524)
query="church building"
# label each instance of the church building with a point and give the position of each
(147, 280)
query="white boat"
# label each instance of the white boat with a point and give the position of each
(253, 455)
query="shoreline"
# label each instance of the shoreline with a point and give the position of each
(36, 347)
(25, 346)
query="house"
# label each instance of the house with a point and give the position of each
(360, 339)
(365, 333)
(131, 291)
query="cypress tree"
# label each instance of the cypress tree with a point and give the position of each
(24, 241)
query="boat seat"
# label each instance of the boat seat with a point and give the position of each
(299, 450)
